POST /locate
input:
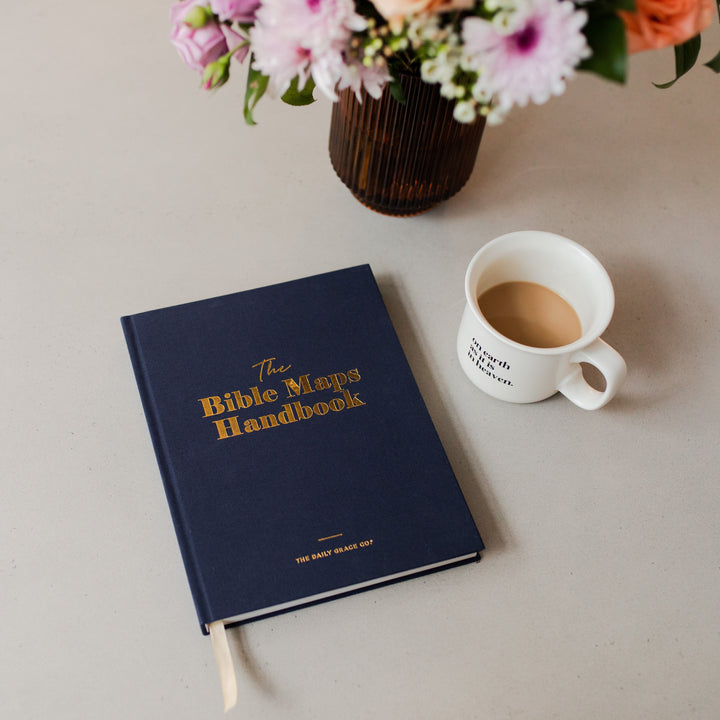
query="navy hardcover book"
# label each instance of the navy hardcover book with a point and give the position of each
(297, 455)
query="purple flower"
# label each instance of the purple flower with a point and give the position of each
(197, 46)
(242, 11)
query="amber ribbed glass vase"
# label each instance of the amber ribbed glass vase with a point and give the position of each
(402, 158)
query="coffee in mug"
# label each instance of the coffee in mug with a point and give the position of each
(536, 305)
(530, 314)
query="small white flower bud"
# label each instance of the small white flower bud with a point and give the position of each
(464, 112)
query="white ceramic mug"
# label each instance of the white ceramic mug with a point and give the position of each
(520, 373)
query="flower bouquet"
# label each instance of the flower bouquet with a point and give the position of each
(487, 56)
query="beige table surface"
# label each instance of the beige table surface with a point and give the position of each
(123, 187)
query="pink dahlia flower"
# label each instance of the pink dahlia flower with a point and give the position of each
(304, 38)
(356, 76)
(242, 11)
(529, 54)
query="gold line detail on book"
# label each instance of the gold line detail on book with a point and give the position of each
(330, 537)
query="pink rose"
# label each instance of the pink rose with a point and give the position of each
(197, 46)
(395, 11)
(240, 10)
(235, 40)
(659, 23)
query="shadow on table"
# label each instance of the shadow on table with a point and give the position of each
(477, 494)
(652, 330)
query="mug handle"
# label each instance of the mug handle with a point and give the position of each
(608, 361)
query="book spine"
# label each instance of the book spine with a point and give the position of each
(166, 473)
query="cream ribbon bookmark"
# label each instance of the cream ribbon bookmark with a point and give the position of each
(223, 657)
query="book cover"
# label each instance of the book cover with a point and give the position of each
(298, 458)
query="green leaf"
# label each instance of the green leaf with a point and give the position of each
(396, 90)
(605, 33)
(714, 64)
(256, 86)
(368, 10)
(293, 96)
(608, 7)
(627, 5)
(686, 56)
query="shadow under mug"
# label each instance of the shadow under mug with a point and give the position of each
(518, 373)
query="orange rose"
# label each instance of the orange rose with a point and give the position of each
(394, 11)
(659, 23)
